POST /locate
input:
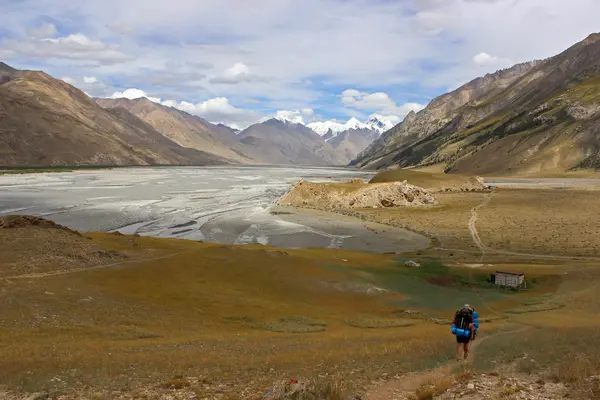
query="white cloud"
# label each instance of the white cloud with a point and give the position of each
(379, 102)
(217, 110)
(134, 94)
(293, 116)
(90, 80)
(303, 47)
(72, 47)
(45, 30)
(393, 119)
(68, 80)
(486, 60)
(120, 28)
(308, 111)
(367, 101)
(238, 73)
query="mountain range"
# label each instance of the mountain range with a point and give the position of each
(330, 129)
(47, 122)
(539, 116)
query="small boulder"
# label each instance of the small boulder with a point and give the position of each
(412, 264)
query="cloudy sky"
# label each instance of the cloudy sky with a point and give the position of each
(237, 61)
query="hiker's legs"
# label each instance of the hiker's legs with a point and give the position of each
(466, 348)
(459, 348)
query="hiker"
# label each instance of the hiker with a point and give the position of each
(464, 326)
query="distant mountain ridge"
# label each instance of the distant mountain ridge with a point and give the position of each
(45, 121)
(186, 129)
(288, 139)
(284, 142)
(533, 117)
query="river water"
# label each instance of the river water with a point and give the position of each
(218, 204)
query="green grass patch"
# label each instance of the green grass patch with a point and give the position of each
(375, 323)
(526, 309)
(241, 319)
(433, 286)
(300, 320)
(292, 324)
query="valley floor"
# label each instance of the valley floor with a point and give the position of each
(108, 316)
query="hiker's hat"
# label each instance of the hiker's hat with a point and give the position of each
(466, 307)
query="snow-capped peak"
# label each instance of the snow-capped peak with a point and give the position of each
(290, 117)
(289, 120)
(380, 124)
(354, 123)
(376, 123)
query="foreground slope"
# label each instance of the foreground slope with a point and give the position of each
(103, 312)
(536, 116)
(45, 121)
(184, 129)
(282, 142)
(124, 317)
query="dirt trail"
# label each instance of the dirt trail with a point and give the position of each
(406, 385)
(473, 224)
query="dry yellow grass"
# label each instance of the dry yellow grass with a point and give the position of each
(430, 390)
(200, 310)
(429, 180)
(553, 222)
(448, 221)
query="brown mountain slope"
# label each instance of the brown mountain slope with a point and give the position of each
(185, 129)
(538, 116)
(287, 143)
(45, 121)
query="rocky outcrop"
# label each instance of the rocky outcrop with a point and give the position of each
(541, 115)
(356, 195)
(494, 386)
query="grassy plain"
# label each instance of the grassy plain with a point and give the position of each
(113, 316)
(130, 313)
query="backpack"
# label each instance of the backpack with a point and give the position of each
(462, 319)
